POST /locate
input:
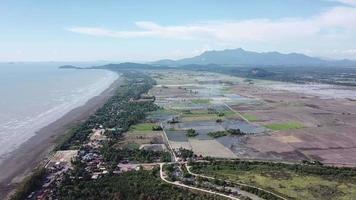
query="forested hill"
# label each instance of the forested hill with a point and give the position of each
(241, 57)
(127, 65)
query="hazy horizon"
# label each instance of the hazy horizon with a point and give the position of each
(101, 62)
(129, 31)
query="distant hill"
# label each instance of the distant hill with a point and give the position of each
(125, 65)
(241, 57)
(69, 67)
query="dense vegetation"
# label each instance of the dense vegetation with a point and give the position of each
(218, 134)
(138, 185)
(185, 153)
(119, 113)
(30, 183)
(300, 74)
(335, 172)
(295, 181)
(233, 132)
(114, 155)
(192, 133)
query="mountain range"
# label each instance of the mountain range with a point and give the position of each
(241, 57)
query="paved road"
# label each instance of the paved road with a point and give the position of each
(193, 188)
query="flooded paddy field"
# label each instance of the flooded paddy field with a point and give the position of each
(312, 123)
(177, 136)
(279, 122)
(248, 128)
(201, 102)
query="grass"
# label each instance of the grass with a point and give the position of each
(200, 101)
(162, 111)
(227, 89)
(249, 117)
(132, 146)
(204, 115)
(284, 126)
(143, 127)
(228, 113)
(194, 115)
(288, 183)
(200, 117)
(61, 140)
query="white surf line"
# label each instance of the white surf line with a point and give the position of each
(242, 184)
(236, 112)
(193, 188)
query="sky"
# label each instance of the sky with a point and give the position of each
(118, 30)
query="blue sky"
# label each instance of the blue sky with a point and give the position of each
(156, 29)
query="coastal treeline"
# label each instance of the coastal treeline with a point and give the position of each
(114, 155)
(302, 169)
(125, 108)
(29, 184)
(119, 113)
(137, 185)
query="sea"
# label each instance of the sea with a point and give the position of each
(32, 95)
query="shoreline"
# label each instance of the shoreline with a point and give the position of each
(31, 153)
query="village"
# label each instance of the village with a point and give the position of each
(175, 172)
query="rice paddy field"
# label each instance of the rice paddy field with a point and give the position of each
(140, 135)
(200, 101)
(279, 124)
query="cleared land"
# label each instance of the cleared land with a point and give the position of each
(282, 125)
(322, 128)
(289, 183)
(210, 148)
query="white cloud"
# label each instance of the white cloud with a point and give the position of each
(347, 2)
(338, 18)
(334, 27)
(346, 52)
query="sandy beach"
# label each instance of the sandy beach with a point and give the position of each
(34, 151)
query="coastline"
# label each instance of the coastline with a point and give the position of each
(30, 154)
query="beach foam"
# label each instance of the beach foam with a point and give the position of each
(20, 123)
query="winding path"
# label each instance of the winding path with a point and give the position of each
(193, 188)
(242, 184)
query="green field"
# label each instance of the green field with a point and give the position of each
(227, 90)
(132, 146)
(228, 113)
(284, 126)
(249, 117)
(288, 183)
(204, 115)
(143, 127)
(162, 111)
(200, 101)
